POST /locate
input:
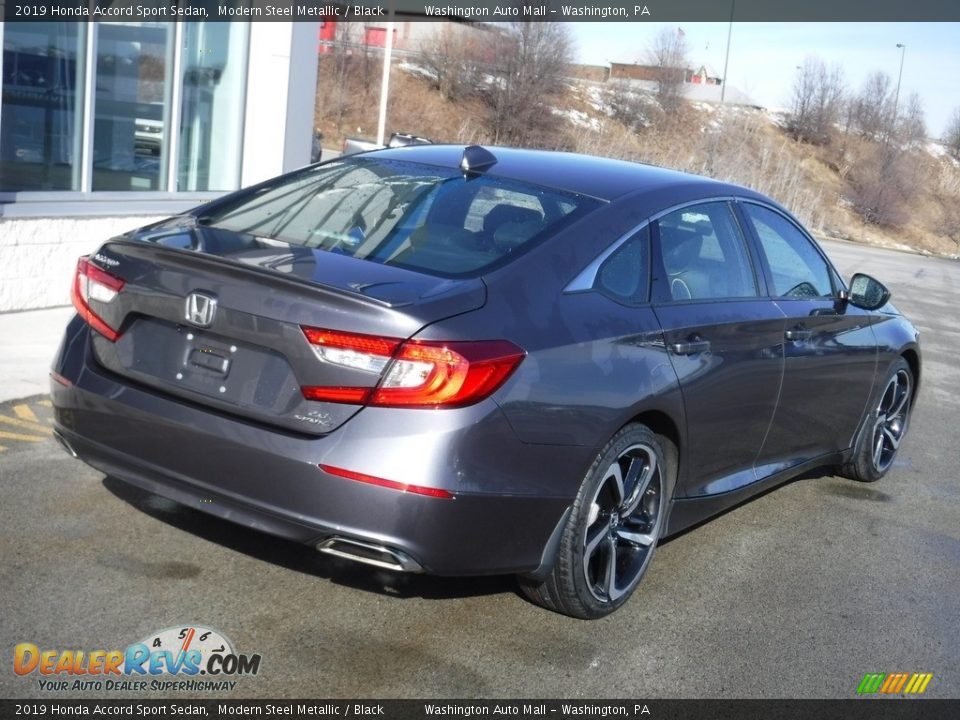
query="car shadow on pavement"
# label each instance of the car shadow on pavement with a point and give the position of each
(813, 474)
(301, 558)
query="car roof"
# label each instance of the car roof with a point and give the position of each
(601, 178)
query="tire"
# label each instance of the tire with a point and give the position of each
(883, 428)
(613, 528)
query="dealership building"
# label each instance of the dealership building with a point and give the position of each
(105, 126)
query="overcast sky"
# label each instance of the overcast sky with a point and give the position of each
(764, 56)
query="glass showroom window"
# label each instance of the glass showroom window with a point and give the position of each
(131, 114)
(211, 122)
(41, 108)
(142, 78)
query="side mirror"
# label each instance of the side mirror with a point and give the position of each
(867, 292)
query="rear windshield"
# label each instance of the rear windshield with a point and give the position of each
(406, 214)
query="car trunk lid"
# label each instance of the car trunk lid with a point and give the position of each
(217, 317)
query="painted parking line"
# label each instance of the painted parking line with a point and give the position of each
(21, 436)
(25, 422)
(24, 412)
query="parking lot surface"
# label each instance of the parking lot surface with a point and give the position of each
(797, 593)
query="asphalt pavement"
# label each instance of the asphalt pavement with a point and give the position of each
(797, 593)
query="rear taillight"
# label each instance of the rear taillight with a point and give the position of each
(96, 285)
(415, 373)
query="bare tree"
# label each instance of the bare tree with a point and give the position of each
(817, 101)
(529, 63)
(668, 53)
(951, 138)
(453, 56)
(336, 72)
(884, 183)
(872, 110)
(911, 125)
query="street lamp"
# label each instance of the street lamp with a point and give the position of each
(896, 98)
(726, 59)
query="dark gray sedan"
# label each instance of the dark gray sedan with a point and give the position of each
(461, 360)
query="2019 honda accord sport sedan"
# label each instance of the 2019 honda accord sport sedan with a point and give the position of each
(468, 360)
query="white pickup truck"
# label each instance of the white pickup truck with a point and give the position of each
(356, 145)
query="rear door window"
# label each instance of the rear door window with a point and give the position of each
(704, 255)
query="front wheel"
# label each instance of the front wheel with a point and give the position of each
(612, 532)
(883, 429)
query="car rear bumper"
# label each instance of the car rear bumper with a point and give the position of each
(508, 496)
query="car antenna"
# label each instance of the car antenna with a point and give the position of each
(475, 160)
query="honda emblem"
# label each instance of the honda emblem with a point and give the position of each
(200, 309)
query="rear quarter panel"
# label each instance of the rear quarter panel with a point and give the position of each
(592, 363)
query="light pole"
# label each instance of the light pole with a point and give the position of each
(726, 59)
(896, 97)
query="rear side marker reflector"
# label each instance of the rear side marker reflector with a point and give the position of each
(60, 379)
(91, 284)
(413, 373)
(350, 395)
(392, 484)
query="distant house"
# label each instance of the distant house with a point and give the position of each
(634, 71)
(704, 76)
(595, 73)
(406, 35)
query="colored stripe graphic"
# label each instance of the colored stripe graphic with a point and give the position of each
(894, 683)
(870, 683)
(923, 679)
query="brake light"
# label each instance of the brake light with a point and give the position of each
(415, 373)
(93, 284)
(382, 482)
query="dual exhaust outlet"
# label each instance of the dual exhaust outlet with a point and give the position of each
(367, 553)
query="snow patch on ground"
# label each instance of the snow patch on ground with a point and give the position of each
(578, 118)
(414, 69)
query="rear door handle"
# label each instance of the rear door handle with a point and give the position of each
(798, 334)
(690, 347)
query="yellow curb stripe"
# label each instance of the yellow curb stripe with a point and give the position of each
(33, 427)
(18, 436)
(45, 403)
(923, 685)
(25, 413)
(912, 684)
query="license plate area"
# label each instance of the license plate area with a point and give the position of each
(229, 374)
(205, 363)
(194, 361)
(209, 358)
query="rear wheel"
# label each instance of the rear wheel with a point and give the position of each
(613, 529)
(883, 429)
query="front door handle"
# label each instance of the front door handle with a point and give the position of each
(690, 347)
(798, 334)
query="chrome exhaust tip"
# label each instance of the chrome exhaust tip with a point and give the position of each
(369, 554)
(64, 444)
